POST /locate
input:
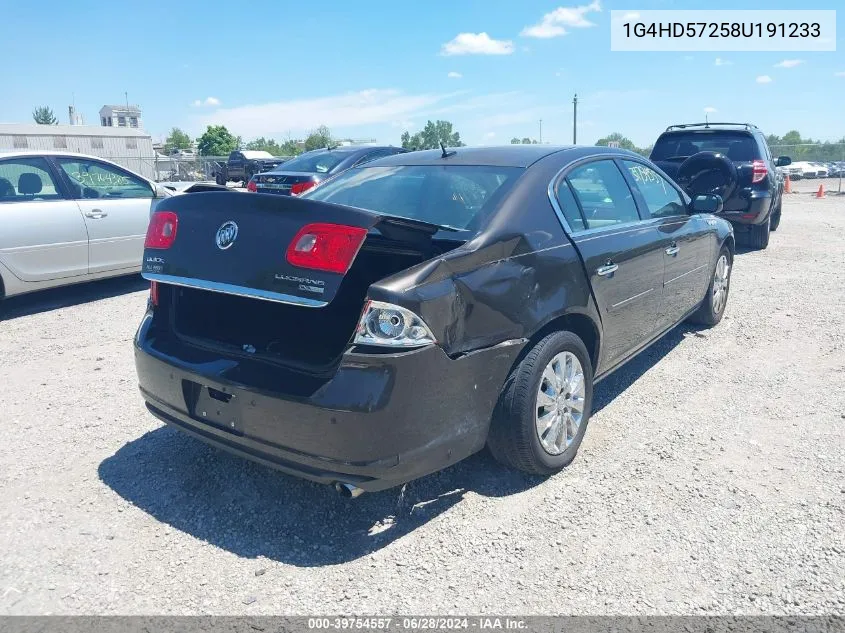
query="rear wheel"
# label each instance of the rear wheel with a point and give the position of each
(544, 407)
(713, 307)
(758, 236)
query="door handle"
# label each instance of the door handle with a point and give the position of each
(95, 214)
(608, 269)
(673, 250)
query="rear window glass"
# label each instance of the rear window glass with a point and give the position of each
(738, 146)
(453, 195)
(315, 163)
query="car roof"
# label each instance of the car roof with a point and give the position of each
(49, 152)
(497, 156)
(348, 149)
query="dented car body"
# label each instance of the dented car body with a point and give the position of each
(365, 333)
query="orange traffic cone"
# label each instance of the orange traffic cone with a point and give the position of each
(820, 192)
(787, 186)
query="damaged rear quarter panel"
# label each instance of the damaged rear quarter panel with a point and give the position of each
(518, 274)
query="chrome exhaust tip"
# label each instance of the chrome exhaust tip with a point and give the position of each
(348, 490)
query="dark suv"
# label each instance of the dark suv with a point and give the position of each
(733, 160)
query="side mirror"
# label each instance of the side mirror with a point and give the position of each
(783, 161)
(707, 203)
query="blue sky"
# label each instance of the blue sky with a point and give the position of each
(371, 69)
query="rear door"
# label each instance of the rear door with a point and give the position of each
(622, 254)
(43, 235)
(116, 206)
(686, 240)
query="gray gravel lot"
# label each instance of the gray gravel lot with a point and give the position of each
(710, 481)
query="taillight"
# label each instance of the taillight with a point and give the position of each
(154, 293)
(759, 171)
(250, 186)
(328, 247)
(301, 187)
(161, 231)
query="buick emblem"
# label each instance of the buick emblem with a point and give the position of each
(226, 235)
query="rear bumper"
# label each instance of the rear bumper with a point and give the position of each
(380, 420)
(753, 208)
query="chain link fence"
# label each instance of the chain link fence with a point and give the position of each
(171, 168)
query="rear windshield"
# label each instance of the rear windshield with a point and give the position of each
(737, 146)
(450, 195)
(321, 163)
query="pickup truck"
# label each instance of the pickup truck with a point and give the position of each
(244, 164)
(412, 310)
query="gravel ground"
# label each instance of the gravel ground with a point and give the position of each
(710, 480)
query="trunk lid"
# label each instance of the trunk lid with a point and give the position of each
(280, 182)
(237, 243)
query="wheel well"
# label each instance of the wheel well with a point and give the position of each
(580, 325)
(730, 242)
(2, 288)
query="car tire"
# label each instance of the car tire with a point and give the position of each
(514, 438)
(776, 218)
(758, 236)
(712, 309)
(220, 179)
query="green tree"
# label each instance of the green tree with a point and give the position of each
(178, 139)
(217, 141)
(624, 143)
(515, 141)
(265, 145)
(431, 136)
(43, 115)
(290, 148)
(319, 138)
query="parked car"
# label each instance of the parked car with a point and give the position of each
(183, 153)
(242, 164)
(299, 174)
(733, 160)
(821, 170)
(187, 186)
(69, 218)
(402, 315)
(807, 170)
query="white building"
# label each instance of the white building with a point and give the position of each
(130, 147)
(120, 116)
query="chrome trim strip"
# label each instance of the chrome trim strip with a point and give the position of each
(689, 272)
(231, 289)
(621, 303)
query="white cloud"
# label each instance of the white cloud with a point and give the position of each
(840, 73)
(723, 62)
(209, 101)
(554, 24)
(476, 44)
(789, 63)
(490, 135)
(688, 58)
(710, 110)
(764, 79)
(454, 75)
(343, 110)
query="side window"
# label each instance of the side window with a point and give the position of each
(99, 180)
(603, 193)
(661, 198)
(25, 179)
(233, 156)
(569, 207)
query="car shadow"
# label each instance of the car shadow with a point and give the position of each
(254, 511)
(66, 296)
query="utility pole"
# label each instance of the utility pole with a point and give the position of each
(575, 119)
(126, 94)
(541, 131)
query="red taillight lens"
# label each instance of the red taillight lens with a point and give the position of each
(329, 247)
(759, 171)
(250, 186)
(301, 187)
(161, 231)
(154, 293)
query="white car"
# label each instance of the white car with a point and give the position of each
(69, 218)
